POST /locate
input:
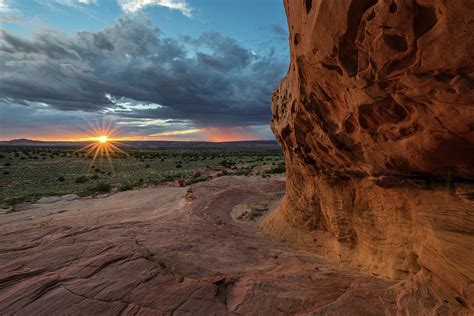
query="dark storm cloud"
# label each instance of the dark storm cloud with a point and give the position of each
(218, 82)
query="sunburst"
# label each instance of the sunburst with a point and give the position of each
(103, 144)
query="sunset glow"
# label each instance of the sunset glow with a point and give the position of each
(103, 139)
(102, 145)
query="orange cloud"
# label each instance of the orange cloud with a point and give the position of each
(229, 134)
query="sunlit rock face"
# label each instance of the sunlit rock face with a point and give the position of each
(376, 118)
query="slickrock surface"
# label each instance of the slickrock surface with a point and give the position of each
(162, 251)
(376, 118)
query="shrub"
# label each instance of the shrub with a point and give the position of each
(61, 179)
(127, 186)
(95, 177)
(7, 164)
(278, 169)
(243, 172)
(227, 163)
(11, 200)
(179, 166)
(103, 187)
(196, 180)
(82, 179)
(147, 166)
(6, 172)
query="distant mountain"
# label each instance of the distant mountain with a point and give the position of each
(22, 141)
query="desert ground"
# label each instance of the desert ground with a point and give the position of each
(171, 250)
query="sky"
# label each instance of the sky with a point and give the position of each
(150, 69)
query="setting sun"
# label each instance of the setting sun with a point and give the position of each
(103, 139)
(102, 143)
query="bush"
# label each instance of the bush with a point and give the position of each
(7, 164)
(196, 180)
(95, 177)
(278, 169)
(227, 163)
(147, 166)
(127, 186)
(6, 172)
(61, 179)
(179, 166)
(82, 179)
(11, 200)
(103, 187)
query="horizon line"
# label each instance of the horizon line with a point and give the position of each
(134, 140)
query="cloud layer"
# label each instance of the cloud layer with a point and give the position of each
(131, 70)
(132, 6)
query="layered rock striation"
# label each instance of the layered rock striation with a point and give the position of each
(376, 119)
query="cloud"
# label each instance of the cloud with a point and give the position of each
(130, 71)
(76, 2)
(176, 133)
(69, 3)
(6, 6)
(133, 6)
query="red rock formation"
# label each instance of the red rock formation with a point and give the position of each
(376, 118)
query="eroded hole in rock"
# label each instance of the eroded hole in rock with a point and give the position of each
(349, 126)
(322, 148)
(371, 16)
(444, 77)
(308, 5)
(395, 42)
(425, 19)
(348, 52)
(333, 67)
(297, 39)
(393, 7)
(285, 132)
(387, 111)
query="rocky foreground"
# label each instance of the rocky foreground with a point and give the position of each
(164, 250)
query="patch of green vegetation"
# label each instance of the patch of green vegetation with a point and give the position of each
(12, 200)
(82, 179)
(127, 186)
(196, 180)
(103, 187)
(61, 170)
(279, 169)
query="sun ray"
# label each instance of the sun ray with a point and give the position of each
(109, 159)
(103, 145)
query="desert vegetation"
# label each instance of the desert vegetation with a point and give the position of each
(30, 173)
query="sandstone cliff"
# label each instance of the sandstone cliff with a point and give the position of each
(376, 118)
